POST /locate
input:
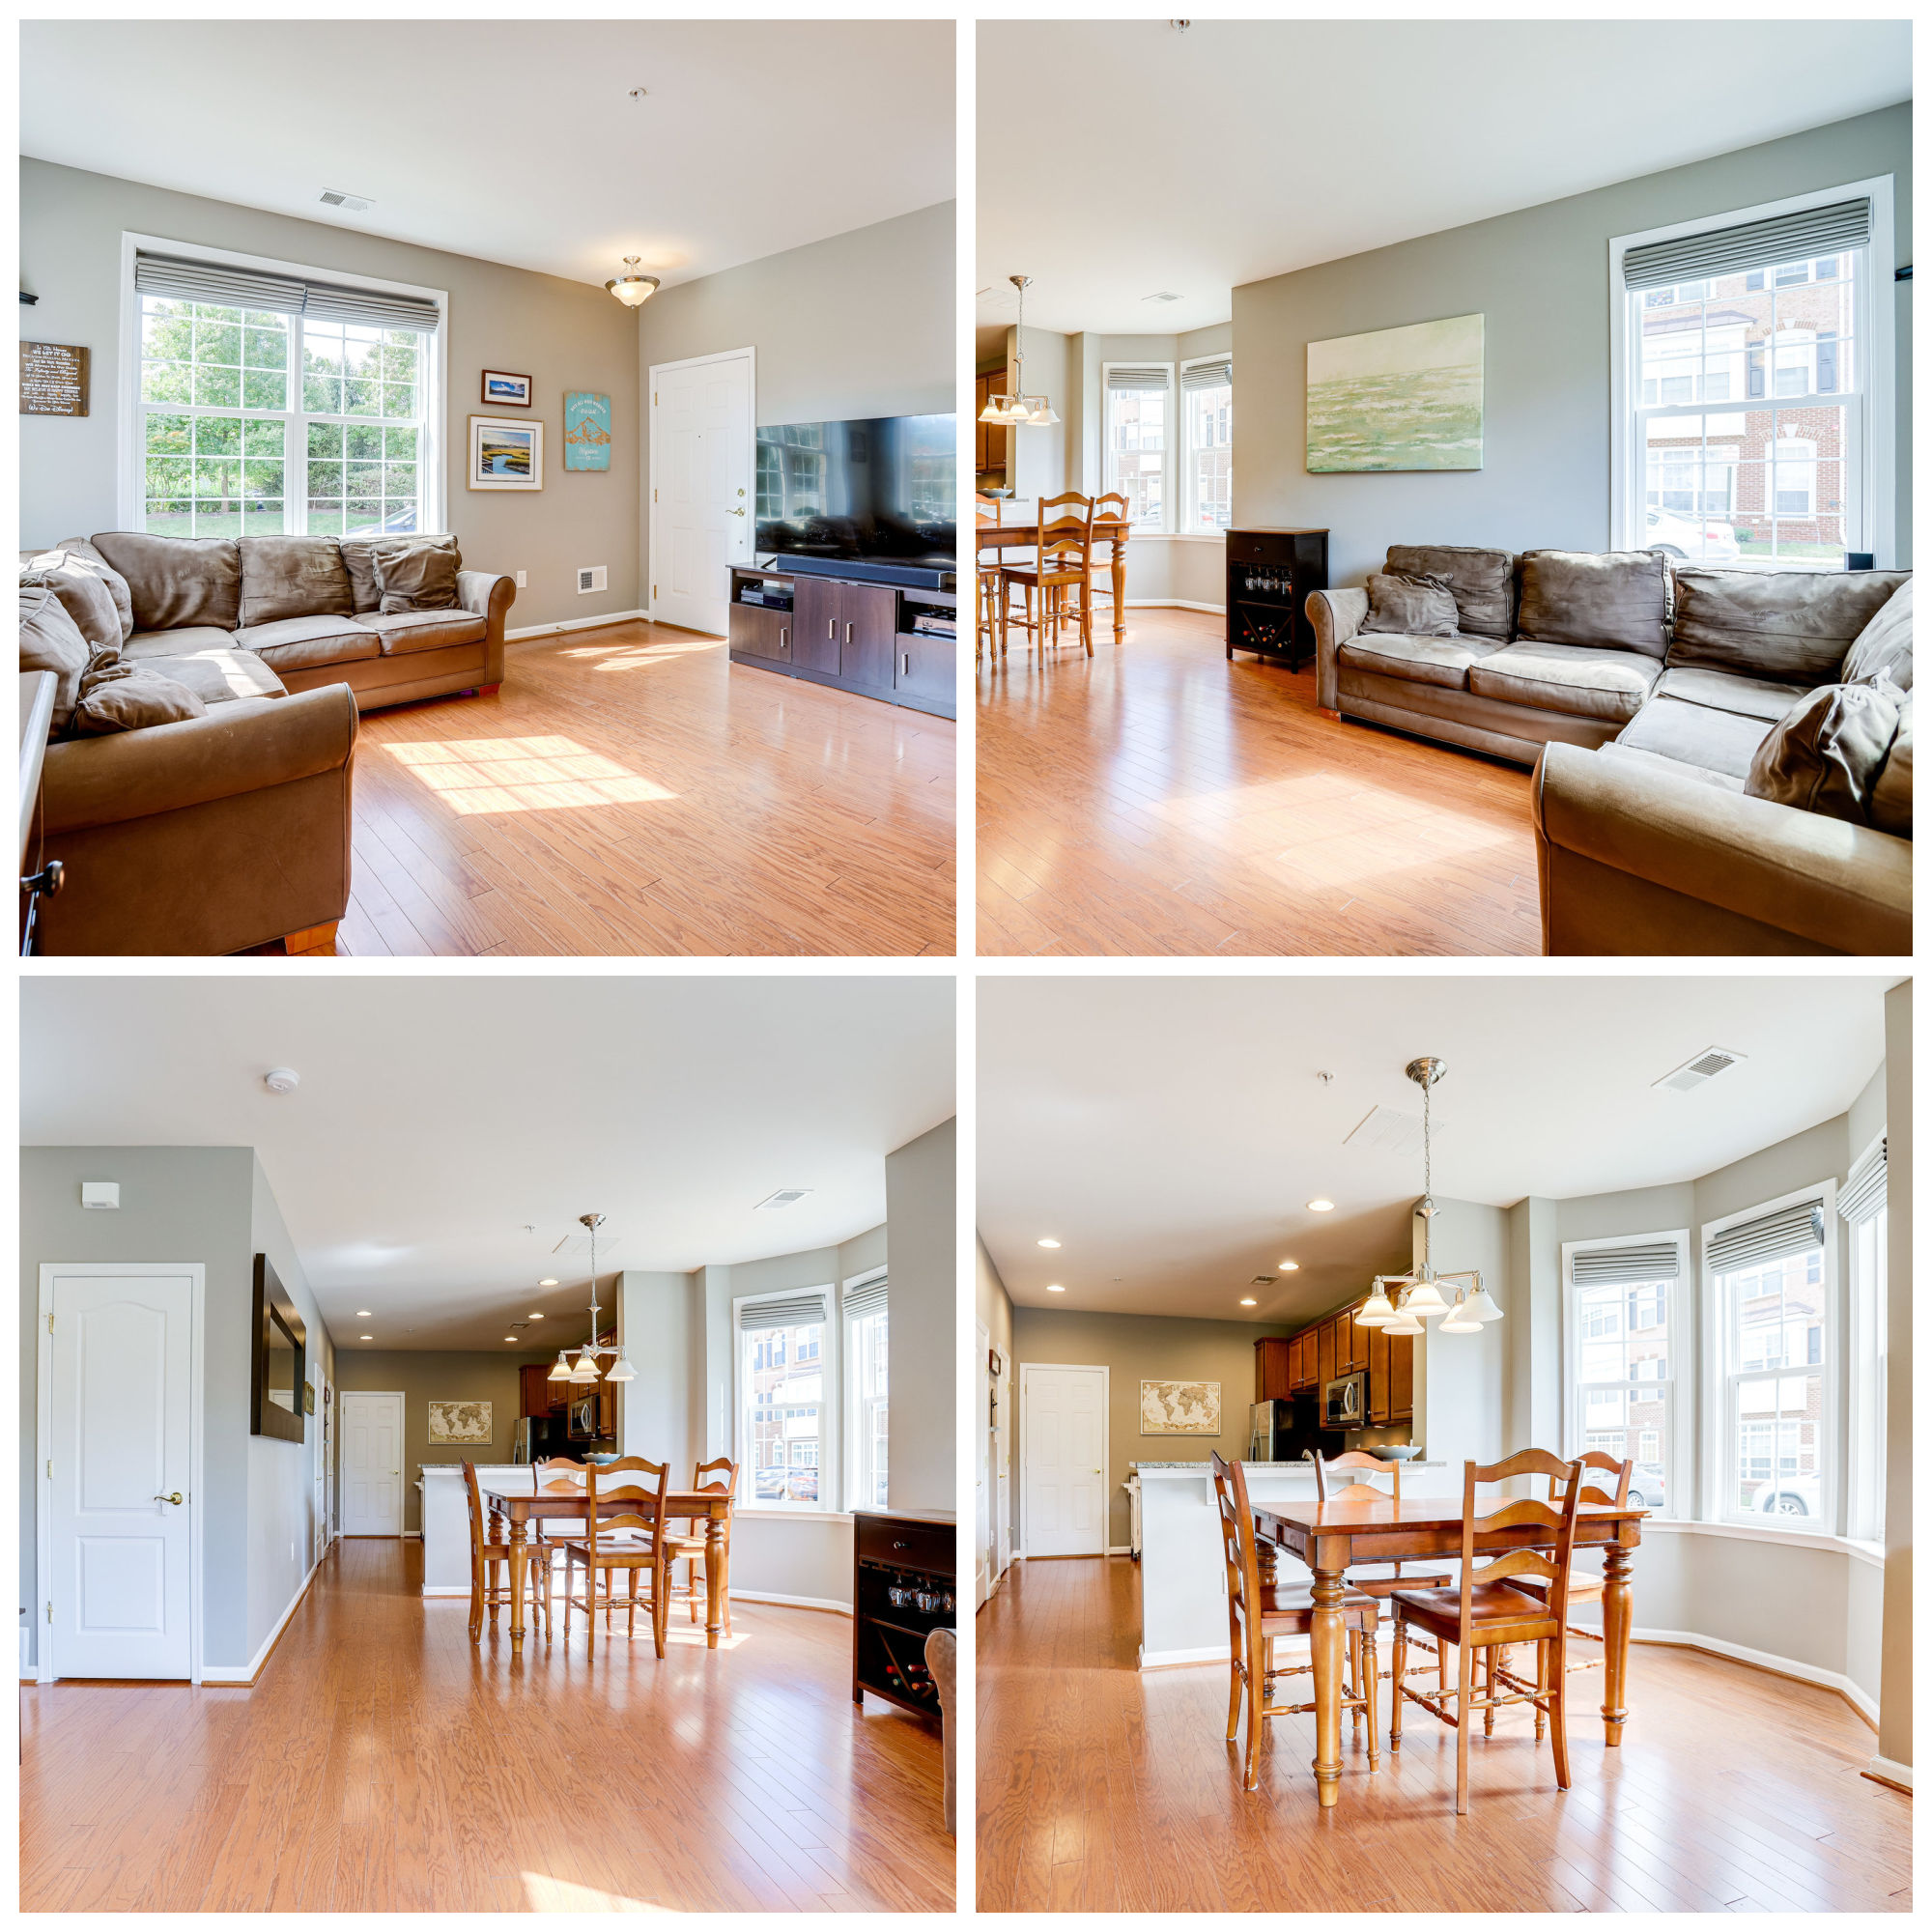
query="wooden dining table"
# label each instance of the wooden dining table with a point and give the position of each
(517, 1504)
(1114, 532)
(1330, 1537)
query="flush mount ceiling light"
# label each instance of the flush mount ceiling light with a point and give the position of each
(632, 289)
(1321, 1205)
(1046, 1241)
(1020, 409)
(585, 1369)
(281, 1080)
(1419, 1293)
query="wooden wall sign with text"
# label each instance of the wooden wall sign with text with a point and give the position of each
(53, 380)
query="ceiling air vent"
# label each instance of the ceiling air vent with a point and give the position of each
(1698, 1068)
(580, 1243)
(333, 197)
(1387, 1131)
(593, 576)
(1263, 1281)
(1161, 296)
(786, 1197)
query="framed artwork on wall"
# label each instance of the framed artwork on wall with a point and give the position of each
(277, 1358)
(505, 455)
(501, 391)
(462, 1421)
(1180, 1408)
(586, 430)
(1398, 398)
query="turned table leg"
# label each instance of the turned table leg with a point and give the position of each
(1324, 1644)
(1120, 591)
(717, 1591)
(1616, 1640)
(520, 1531)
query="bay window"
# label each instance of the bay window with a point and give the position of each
(1207, 424)
(1862, 1204)
(1138, 438)
(867, 1416)
(1619, 1326)
(782, 1399)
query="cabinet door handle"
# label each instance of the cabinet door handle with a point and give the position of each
(785, 637)
(905, 664)
(848, 634)
(831, 631)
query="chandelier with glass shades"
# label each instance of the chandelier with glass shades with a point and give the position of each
(1021, 409)
(1400, 1302)
(585, 1369)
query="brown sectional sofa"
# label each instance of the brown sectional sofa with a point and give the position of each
(231, 828)
(1641, 695)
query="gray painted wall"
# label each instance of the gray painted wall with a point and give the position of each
(860, 324)
(1540, 276)
(922, 1248)
(564, 334)
(1894, 1723)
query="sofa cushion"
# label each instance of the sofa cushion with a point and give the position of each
(1481, 582)
(174, 644)
(425, 629)
(1619, 598)
(1891, 801)
(1444, 660)
(1723, 691)
(1826, 754)
(1578, 679)
(217, 673)
(1409, 607)
(358, 558)
(116, 695)
(293, 643)
(1695, 734)
(419, 576)
(1885, 645)
(1787, 626)
(51, 640)
(1631, 758)
(293, 577)
(81, 551)
(82, 589)
(177, 580)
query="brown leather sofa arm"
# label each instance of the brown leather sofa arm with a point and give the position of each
(1632, 861)
(490, 596)
(241, 747)
(1337, 616)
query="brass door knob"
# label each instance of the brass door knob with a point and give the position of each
(734, 513)
(175, 1498)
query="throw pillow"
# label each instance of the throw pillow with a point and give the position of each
(78, 551)
(1884, 647)
(420, 578)
(80, 589)
(1826, 754)
(1891, 802)
(51, 640)
(120, 697)
(1417, 606)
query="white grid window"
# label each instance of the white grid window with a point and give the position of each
(1207, 463)
(1624, 1385)
(782, 1405)
(1865, 1436)
(868, 1443)
(1138, 435)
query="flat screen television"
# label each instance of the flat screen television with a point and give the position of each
(873, 490)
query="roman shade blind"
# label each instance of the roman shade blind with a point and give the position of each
(1751, 245)
(1137, 375)
(1864, 1193)
(867, 1298)
(1219, 374)
(1771, 1238)
(179, 280)
(1640, 1261)
(791, 1311)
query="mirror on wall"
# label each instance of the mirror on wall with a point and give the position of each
(279, 1359)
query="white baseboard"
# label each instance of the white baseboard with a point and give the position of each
(575, 624)
(1890, 1770)
(1120, 1549)
(1214, 1653)
(1764, 1659)
(445, 1589)
(246, 1673)
(794, 1602)
(1174, 604)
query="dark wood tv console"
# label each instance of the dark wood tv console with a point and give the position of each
(847, 633)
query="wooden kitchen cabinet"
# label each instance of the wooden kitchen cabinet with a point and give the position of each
(1402, 1378)
(1273, 1380)
(1379, 1340)
(541, 1396)
(1325, 1355)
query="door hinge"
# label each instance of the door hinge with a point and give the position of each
(50, 1469)
(654, 593)
(50, 1609)
(653, 495)
(50, 1322)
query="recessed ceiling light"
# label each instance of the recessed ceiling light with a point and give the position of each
(510, 1338)
(536, 1314)
(1320, 1207)
(366, 1312)
(1247, 1302)
(366, 1338)
(548, 1281)
(1287, 1267)
(1054, 1287)
(1046, 1241)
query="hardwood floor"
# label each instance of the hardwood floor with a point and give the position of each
(383, 1763)
(1104, 1789)
(630, 791)
(1157, 799)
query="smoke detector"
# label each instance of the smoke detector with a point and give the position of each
(351, 204)
(786, 1197)
(281, 1080)
(1698, 1068)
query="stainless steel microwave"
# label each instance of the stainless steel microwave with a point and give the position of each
(1345, 1403)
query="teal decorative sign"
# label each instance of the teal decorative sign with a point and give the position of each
(586, 430)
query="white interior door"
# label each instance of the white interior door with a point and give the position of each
(372, 1464)
(982, 1469)
(1062, 1456)
(703, 507)
(119, 1496)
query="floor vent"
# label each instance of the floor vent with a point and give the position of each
(1698, 1068)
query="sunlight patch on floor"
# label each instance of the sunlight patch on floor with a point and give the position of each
(545, 1893)
(637, 657)
(481, 775)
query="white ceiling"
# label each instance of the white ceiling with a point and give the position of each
(1240, 150)
(1168, 1132)
(516, 140)
(448, 1131)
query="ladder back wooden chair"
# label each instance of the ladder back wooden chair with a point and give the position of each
(1381, 1580)
(1109, 505)
(486, 1591)
(1062, 559)
(720, 1473)
(1486, 1613)
(630, 1540)
(986, 575)
(1586, 1587)
(545, 1471)
(1260, 1614)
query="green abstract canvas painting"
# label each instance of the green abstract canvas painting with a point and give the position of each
(1398, 398)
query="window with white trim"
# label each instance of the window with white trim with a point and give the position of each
(1619, 1301)
(1747, 392)
(783, 1399)
(280, 403)
(1208, 430)
(1769, 1279)
(868, 1437)
(1136, 439)
(1862, 1204)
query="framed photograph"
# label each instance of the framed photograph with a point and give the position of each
(501, 391)
(1398, 398)
(586, 430)
(462, 1422)
(505, 455)
(1180, 1408)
